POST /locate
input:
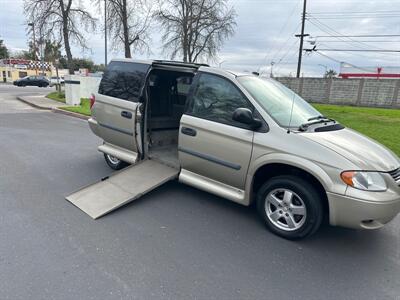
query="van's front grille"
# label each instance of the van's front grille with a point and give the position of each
(396, 175)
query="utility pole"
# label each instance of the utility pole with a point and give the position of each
(41, 52)
(34, 44)
(105, 33)
(301, 36)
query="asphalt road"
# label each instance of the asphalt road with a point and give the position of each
(174, 243)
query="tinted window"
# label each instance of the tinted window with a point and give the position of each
(215, 99)
(123, 80)
(183, 85)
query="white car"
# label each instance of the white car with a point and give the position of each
(54, 81)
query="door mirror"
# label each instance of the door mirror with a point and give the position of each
(245, 116)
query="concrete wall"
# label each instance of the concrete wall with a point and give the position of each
(359, 92)
(77, 87)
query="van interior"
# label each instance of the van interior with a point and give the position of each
(167, 93)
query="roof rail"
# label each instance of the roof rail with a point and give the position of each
(179, 63)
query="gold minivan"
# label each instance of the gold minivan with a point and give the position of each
(247, 139)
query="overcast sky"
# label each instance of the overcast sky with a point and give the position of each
(265, 33)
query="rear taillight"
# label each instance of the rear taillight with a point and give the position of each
(92, 99)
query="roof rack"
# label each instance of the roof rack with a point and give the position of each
(179, 63)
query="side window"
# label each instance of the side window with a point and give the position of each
(215, 99)
(123, 80)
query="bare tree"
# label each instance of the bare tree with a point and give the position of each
(195, 28)
(128, 22)
(64, 20)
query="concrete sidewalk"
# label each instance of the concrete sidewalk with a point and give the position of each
(41, 102)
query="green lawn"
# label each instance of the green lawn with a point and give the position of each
(380, 124)
(83, 109)
(60, 97)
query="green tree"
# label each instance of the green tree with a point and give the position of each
(4, 53)
(330, 73)
(81, 63)
(52, 51)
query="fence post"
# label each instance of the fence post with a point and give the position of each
(301, 86)
(396, 93)
(360, 91)
(328, 90)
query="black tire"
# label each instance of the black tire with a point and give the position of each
(303, 192)
(114, 163)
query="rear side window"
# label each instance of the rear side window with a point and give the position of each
(123, 80)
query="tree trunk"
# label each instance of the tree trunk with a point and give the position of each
(126, 30)
(67, 46)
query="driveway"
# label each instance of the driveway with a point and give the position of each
(174, 243)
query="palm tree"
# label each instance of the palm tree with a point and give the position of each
(330, 73)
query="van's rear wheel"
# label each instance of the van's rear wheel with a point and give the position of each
(114, 163)
(291, 207)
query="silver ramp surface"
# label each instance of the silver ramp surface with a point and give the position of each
(125, 186)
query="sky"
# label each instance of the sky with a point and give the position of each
(265, 34)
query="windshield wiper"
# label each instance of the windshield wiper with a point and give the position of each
(315, 120)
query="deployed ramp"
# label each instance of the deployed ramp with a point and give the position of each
(125, 186)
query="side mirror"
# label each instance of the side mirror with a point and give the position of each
(245, 116)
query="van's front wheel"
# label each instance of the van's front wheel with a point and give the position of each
(114, 163)
(291, 207)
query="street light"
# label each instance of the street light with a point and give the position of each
(34, 44)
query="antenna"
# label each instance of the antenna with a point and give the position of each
(291, 113)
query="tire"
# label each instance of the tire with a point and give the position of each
(114, 163)
(300, 212)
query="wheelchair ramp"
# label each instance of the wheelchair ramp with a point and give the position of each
(121, 188)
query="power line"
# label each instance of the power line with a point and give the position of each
(361, 35)
(287, 41)
(363, 41)
(360, 50)
(287, 52)
(341, 37)
(341, 62)
(357, 54)
(283, 28)
(357, 12)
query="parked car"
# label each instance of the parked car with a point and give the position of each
(39, 81)
(54, 80)
(247, 139)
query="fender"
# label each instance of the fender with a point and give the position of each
(287, 159)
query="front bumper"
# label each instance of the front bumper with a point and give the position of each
(361, 214)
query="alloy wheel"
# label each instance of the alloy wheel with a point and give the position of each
(285, 209)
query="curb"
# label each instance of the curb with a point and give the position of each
(70, 113)
(20, 98)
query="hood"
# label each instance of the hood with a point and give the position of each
(359, 149)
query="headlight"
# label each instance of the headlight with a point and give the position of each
(368, 181)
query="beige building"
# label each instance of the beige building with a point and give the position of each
(13, 69)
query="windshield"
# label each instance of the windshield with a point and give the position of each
(277, 101)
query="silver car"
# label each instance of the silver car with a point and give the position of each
(247, 139)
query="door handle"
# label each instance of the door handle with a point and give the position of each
(188, 131)
(126, 114)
